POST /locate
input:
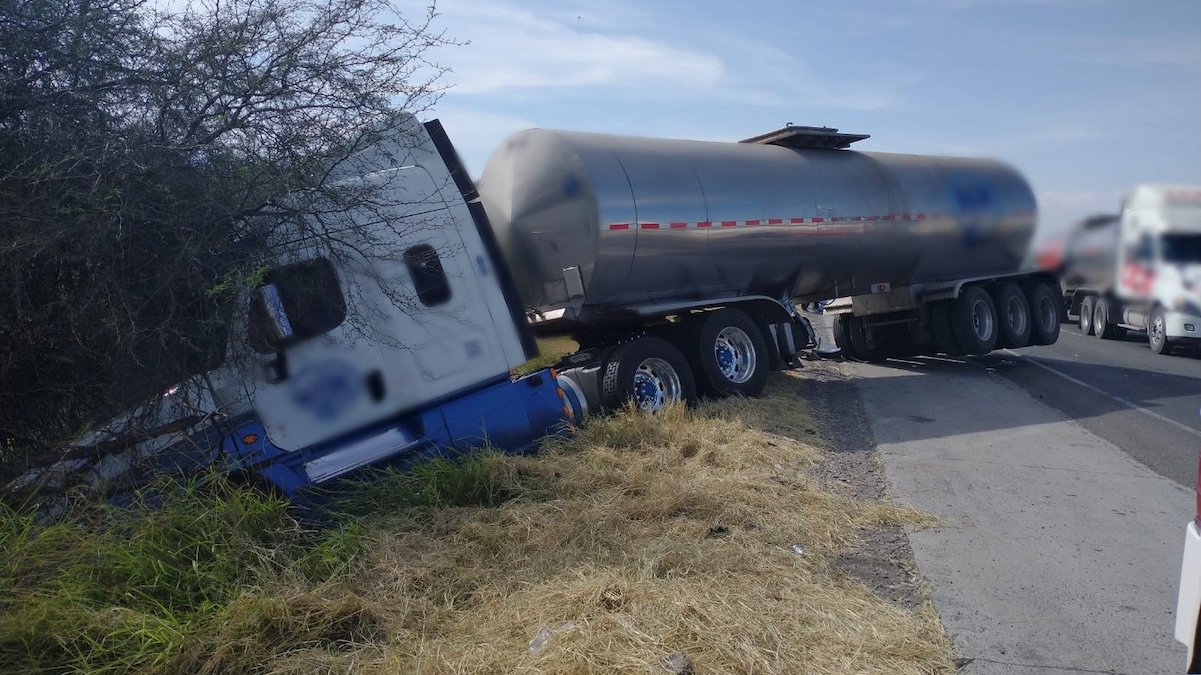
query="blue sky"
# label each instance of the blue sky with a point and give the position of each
(1085, 97)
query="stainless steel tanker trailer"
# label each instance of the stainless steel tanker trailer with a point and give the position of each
(672, 258)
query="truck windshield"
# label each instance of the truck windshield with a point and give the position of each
(1182, 248)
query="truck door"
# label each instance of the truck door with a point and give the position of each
(313, 378)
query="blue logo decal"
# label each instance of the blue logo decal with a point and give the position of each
(571, 185)
(975, 209)
(326, 388)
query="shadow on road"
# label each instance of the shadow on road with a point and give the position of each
(969, 374)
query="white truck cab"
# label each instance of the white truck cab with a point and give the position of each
(343, 341)
(1159, 261)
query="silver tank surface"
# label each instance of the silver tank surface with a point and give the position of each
(593, 224)
(1090, 253)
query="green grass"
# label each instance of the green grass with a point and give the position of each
(604, 538)
(206, 576)
(178, 582)
(550, 351)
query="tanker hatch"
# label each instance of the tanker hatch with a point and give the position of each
(807, 137)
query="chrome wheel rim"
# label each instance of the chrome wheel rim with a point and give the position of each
(1157, 329)
(656, 383)
(1016, 313)
(982, 320)
(735, 354)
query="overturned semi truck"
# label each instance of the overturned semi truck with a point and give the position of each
(675, 265)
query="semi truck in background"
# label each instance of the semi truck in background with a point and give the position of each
(674, 265)
(1139, 269)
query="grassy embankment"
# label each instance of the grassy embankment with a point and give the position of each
(639, 538)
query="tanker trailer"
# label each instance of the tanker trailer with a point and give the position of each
(704, 247)
(1139, 270)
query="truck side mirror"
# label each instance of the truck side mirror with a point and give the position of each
(278, 326)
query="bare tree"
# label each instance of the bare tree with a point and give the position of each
(148, 157)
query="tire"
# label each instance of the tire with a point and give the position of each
(729, 354)
(1157, 334)
(648, 362)
(842, 336)
(858, 335)
(1013, 317)
(940, 325)
(974, 320)
(1046, 312)
(1086, 315)
(1102, 327)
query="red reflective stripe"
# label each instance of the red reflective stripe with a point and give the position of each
(817, 220)
(729, 223)
(796, 221)
(921, 216)
(752, 223)
(619, 226)
(704, 223)
(775, 221)
(650, 226)
(677, 226)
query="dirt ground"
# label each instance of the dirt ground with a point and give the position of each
(882, 559)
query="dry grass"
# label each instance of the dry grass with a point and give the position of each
(639, 538)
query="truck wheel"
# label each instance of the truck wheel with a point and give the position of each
(1157, 332)
(730, 354)
(648, 371)
(858, 334)
(940, 325)
(1045, 312)
(974, 320)
(1013, 312)
(1086, 315)
(842, 336)
(1102, 327)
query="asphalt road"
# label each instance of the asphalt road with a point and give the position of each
(1144, 403)
(1057, 552)
(1063, 476)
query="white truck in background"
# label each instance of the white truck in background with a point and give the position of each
(1140, 269)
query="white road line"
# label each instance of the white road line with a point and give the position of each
(1119, 399)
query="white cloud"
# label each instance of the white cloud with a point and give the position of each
(974, 4)
(513, 49)
(1059, 210)
(1137, 51)
(477, 134)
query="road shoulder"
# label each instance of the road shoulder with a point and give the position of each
(1057, 550)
